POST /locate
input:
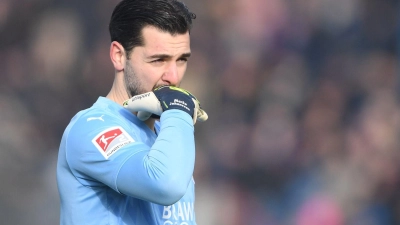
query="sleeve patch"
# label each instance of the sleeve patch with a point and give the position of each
(111, 140)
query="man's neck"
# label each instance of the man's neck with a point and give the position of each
(117, 93)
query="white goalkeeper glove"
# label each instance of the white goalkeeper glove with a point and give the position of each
(165, 98)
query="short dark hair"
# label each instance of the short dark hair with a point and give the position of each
(131, 16)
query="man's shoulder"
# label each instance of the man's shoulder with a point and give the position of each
(100, 119)
(95, 116)
(95, 129)
(98, 114)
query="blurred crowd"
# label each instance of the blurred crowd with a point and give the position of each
(302, 97)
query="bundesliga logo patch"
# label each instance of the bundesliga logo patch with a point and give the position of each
(111, 140)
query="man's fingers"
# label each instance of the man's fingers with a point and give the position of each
(147, 102)
(202, 115)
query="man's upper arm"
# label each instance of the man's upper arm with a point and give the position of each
(160, 173)
(96, 149)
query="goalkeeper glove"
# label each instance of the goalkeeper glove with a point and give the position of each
(165, 98)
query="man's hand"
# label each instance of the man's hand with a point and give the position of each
(165, 98)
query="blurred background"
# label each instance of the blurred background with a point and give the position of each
(302, 95)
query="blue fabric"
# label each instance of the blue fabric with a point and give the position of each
(112, 169)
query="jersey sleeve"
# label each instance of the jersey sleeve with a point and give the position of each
(166, 170)
(111, 153)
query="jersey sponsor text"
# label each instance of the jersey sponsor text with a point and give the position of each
(179, 213)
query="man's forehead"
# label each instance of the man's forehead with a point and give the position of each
(156, 38)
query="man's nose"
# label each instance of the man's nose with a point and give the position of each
(170, 75)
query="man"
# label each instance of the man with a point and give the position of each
(120, 167)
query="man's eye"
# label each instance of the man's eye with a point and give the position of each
(158, 60)
(183, 59)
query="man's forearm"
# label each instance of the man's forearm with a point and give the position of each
(165, 171)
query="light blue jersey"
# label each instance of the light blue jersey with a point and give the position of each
(112, 169)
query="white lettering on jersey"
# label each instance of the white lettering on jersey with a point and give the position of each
(179, 212)
(111, 140)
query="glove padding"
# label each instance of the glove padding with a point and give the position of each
(164, 98)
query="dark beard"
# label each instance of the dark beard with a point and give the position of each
(132, 85)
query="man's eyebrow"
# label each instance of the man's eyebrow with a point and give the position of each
(185, 55)
(165, 56)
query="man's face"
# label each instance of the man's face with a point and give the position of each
(161, 61)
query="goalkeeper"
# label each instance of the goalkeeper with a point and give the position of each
(129, 159)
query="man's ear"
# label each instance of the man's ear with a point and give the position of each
(117, 55)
